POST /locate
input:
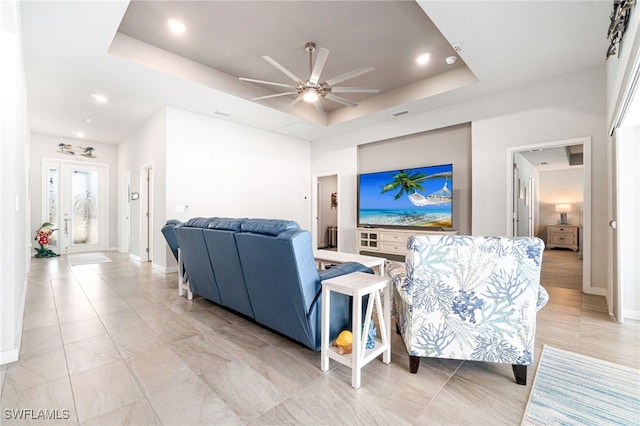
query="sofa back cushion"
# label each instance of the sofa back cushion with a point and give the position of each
(281, 277)
(196, 258)
(273, 227)
(225, 260)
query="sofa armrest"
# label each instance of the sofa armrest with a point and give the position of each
(343, 269)
(543, 298)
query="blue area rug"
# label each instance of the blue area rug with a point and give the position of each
(574, 389)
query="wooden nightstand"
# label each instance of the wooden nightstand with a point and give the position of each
(565, 236)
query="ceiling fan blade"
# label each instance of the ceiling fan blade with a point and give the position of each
(341, 100)
(354, 90)
(267, 82)
(321, 60)
(273, 96)
(318, 106)
(293, 102)
(349, 75)
(288, 73)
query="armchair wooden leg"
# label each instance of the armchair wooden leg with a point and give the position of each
(414, 363)
(520, 373)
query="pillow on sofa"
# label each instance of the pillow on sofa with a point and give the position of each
(268, 226)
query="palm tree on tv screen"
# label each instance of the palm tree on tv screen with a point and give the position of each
(409, 183)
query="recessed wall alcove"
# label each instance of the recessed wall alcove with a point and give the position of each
(448, 145)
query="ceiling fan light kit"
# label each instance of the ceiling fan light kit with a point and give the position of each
(312, 90)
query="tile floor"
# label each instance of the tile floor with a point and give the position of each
(113, 344)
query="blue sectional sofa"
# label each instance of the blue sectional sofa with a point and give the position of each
(263, 269)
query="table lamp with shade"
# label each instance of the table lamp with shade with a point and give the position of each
(563, 209)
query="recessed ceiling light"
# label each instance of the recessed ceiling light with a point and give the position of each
(88, 120)
(78, 134)
(176, 27)
(99, 98)
(423, 59)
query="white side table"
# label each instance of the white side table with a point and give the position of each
(358, 285)
(183, 281)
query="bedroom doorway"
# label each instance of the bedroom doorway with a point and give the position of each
(325, 200)
(530, 209)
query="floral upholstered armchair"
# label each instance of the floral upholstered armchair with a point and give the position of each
(469, 298)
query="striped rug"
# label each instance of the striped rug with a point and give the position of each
(574, 389)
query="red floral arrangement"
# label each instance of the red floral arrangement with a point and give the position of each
(42, 237)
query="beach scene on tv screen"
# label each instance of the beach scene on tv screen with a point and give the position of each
(409, 197)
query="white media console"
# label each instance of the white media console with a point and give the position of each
(389, 241)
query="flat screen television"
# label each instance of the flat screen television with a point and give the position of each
(415, 197)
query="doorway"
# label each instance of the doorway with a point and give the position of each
(146, 213)
(325, 205)
(524, 188)
(126, 223)
(76, 202)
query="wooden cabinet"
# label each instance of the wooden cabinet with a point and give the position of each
(388, 241)
(564, 236)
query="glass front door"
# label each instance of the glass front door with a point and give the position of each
(76, 202)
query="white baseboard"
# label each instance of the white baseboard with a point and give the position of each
(12, 355)
(170, 269)
(164, 269)
(631, 315)
(134, 258)
(9, 356)
(596, 291)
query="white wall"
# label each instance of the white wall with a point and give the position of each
(146, 146)
(628, 141)
(561, 108)
(14, 196)
(219, 168)
(44, 146)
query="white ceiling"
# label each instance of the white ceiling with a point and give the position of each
(73, 49)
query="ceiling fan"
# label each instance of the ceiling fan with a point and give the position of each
(312, 90)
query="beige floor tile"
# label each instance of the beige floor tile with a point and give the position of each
(81, 329)
(101, 390)
(249, 373)
(90, 353)
(40, 318)
(201, 352)
(53, 397)
(288, 373)
(41, 338)
(137, 413)
(136, 340)
(192, 403)
(35, 369)
(328, 401)
(158, 369)
(118, 320)
(242, 388)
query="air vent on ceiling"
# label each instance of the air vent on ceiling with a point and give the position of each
(398, 114)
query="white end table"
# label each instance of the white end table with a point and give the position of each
(330, 256)
(358, 285)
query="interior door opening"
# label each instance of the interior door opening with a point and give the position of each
(326, 207)
(531, 209)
